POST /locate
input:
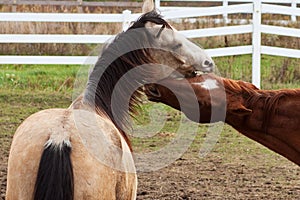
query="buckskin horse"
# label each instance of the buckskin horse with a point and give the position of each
(270, 117)
(83, 152)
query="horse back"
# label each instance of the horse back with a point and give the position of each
(95, 176)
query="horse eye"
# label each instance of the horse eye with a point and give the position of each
(177, 46)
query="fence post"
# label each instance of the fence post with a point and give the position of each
(256, 43)
(293, 5)
(126, 19)
(157, 4)
(225, 15)
(14, 6)
(79, 7)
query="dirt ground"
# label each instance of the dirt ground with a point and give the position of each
(233, 170)
(211, 179)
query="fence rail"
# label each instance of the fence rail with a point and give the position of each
(256, 28)
(225, 3)
(73, 3)
(64, 17)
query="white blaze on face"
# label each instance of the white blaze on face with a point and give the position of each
(208, 84)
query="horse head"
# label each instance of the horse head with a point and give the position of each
(212, 94)
(172, 48)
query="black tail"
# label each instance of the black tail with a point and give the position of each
(55, 179)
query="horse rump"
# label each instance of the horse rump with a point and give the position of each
(55, 179)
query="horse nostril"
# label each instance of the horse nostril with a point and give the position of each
(206, 63)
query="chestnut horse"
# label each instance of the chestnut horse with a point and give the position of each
(270, 117)
(83, 152)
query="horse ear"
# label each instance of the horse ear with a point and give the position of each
(240, 110)
(148, 6)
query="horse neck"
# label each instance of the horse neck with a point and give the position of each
(78, 103)
(271, 107)
(274, 121)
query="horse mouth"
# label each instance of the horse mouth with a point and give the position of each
(152, 91)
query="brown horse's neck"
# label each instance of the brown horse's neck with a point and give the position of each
(274, 121)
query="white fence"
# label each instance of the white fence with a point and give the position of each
(255, 7)
(225, 3)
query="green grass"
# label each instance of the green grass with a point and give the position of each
(276, 72)
(16, 106)
(38, 77)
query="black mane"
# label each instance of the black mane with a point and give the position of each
(153, 17)
(128, 50)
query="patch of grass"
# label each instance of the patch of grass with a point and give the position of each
(38, 77)
(16, 106)
(233, 146)
(154, 126)
(276, 72)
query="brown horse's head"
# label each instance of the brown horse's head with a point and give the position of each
(215, 97)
